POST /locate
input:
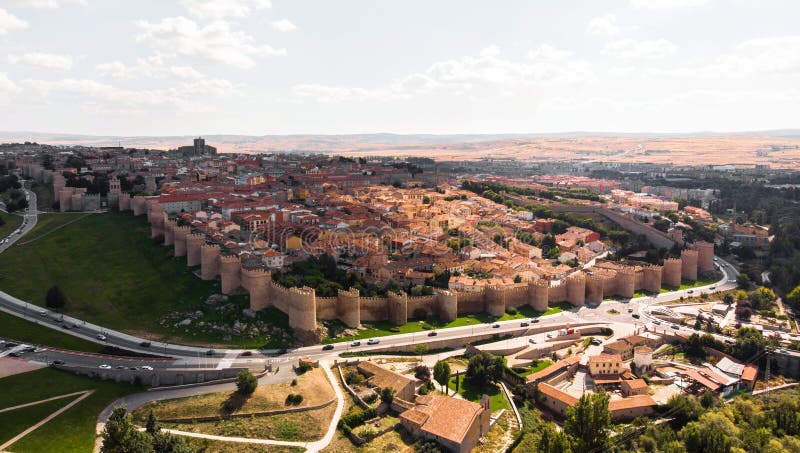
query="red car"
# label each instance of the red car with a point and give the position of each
(432, 333)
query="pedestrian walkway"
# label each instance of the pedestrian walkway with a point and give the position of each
(83, 396)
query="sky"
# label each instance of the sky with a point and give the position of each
(188, 67)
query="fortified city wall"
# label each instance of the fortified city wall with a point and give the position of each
(304, 308)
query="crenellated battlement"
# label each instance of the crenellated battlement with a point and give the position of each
(348, 306)
(209, 261)
(194, 241)
(689, 264)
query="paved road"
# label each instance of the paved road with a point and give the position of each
(29, 218)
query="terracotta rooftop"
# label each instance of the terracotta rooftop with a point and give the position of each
(637, 384)
(750, 372)
(556, 394)
(443, 416)
(554, 368)
(605, 358)
(382, 378)
(631, 403)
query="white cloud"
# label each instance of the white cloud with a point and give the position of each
(667, 4)
(771, 56)
(632, 49)
(605, 25)
(152, 67)
(283, 25)
(43, 60)
(7, 86)
(221, 9)
(10, 22)
(47, 4)
(187, 96)
(486, 75)
(216, 41)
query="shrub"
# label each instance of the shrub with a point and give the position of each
(246, 383)
(511, 310)
(353, 377)
(294, 382)
(371, 398)
(292, 399)
(357, 418)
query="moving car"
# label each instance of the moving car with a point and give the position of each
(210, 352)
(104, 367)
(327, 347)
(355, 343)
(39, 350)
(675, 326)
(432, 333)
(147, 368)
(101, 337)
(373, 341)
(635, 315)
(657, 322)
(524, 324)
(58, 362)
(630, 310)
(535, 320)
(145, 344)
(495, 326)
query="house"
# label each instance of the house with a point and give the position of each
(456, 424)
(632, 407)
(634, 387)
(273, 259)
(605, 364)
(382, 378)
(554, 399)
(555, 371)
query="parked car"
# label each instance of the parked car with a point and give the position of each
(104, 367)
(120, 367)
(355, 343)
(373, 341)
(657, 322)
(635, 315)
(246, 354)
(675, 326)
(532, 341)
(630, 310)
(327, 347)
(147, 368)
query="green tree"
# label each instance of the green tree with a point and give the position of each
(152, 424)
(441, 374)
(552, 441)
(793, 297)
(743, 280)
(246, 383)
(712, 433)
(120, 436)
(55, 298)
(387, 395)
(588, 422)
(484, 368)
(684, 409)
(749, 345)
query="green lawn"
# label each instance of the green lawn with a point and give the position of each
(688, 284)
(28, 332)
(12, 222)
(114, 275)
(384, 328)
(540, 365)
(72, 431)
(497, 400)
(17, 421)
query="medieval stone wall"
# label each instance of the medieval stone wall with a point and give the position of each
(193, 243)
(689, 265)
(209, 261)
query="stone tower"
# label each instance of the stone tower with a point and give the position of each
(139, 205)
(671, 273)
(229, 268)
(348, 307)
(448, 305)
(398, 308)
(495, 300)
(705, 256)
(576, 289)
(256, 281)
(169, 231)
(180, 240)
(303, 310)
(124, 202)
(626, 282)
(538, 294)
(689, 265)
(651, 279)
(193, 243)
(209, 261)
(594, 289)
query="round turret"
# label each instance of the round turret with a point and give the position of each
(626, 282)
(651, 279)
(193, 243)
(576, 289)
(139, 205)
(209, 261)
(180, 240)
(448, 305)
(705, 256)
(229, 269)
(495, 300)
(256, 282)
(303, 309)
(348, 307)
(538, 294)
(169, 231)
(689, 265)
(671, 273)
(594, 289)
(124, 203)
(398, 308)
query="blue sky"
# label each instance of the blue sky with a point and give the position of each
(159, 67)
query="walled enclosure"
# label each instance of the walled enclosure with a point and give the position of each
(304, 308)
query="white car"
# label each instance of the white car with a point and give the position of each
(101, 337)
(39, 350)
(146, 367)
(104, 367)
(373, 341)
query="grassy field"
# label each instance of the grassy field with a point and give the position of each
(313, 385)
(12, 222)
(72, 431)
(497, 400)
(28, 332)
(44, 195)
(114, 275)
(540, 365)
(384, 328)
(213, 446)
(688, 284)
(17, 421)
